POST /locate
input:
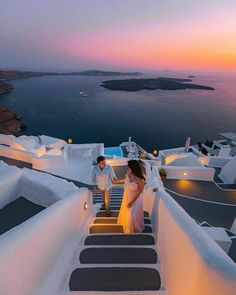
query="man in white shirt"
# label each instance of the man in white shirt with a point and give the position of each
(103, 177)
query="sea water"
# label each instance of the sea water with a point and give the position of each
(159, 119)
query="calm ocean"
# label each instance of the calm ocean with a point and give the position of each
(155, 119)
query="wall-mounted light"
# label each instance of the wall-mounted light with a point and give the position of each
(155, 152)
(185, 173)
(85, 206)
(69, 140)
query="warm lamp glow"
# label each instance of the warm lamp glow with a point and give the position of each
(185, 174)
(155, 152)
(85, 206)
(69, 140)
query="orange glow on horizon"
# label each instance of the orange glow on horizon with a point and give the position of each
(209, 43)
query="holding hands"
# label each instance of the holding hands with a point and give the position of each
(130, 204)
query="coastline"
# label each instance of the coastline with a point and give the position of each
(5, 88)
(10, 122)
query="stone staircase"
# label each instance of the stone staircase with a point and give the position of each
(114, 261)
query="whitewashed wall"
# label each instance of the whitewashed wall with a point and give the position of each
(219, 161)
(9, 183)
(228, 172)
(16, 154)
(186, 162)
(191, 262)
(117, 162)
(42, 188)
(36, 257)
(48, 161)
(38, 187)
(193, 173)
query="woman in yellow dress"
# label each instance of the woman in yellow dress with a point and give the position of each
(131, 211)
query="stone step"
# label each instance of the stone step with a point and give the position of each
(112, 202)
(139, 292)
(125, 239)
(97, 229)
(115, 208)
(111, 198)
(112, 228)
(118, 255)
(119, 196)
(114, 192)
(113, 220)
(115, 279)
(103, 214)
(115, 203)
(116, 213)
(148, 229)
(107, 220)
(115, 187)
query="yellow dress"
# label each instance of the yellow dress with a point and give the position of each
(131, 218)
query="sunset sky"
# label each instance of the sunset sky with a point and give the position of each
(118, 34)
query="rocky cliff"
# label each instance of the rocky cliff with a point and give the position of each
(10, 123)
(5, 87)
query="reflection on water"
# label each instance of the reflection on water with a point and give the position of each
(155, 119)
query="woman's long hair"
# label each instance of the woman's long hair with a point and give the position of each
(136, 169)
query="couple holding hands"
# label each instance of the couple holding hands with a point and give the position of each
(131, 211)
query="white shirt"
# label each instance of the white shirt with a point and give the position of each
(103, 178)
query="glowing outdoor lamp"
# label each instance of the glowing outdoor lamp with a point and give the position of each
(69, 140)
(155, 152)
(85, 206)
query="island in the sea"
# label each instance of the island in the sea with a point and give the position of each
(10, 122)
(102, 73)
(152, 84)
(7, 75)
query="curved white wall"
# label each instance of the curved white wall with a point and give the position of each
(31, 254)
(48, 161)
(36, 256)
(38, 187)
(16, 154)
(191, 262)
(194, 173)
(218, 161)
(9, 183)
(186, 161)
(228, 172)
(43, 188)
